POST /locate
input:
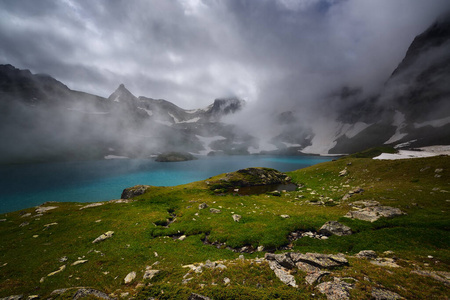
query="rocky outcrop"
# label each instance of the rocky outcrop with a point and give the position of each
(87, 292)
(335, 228)
(134, 191)
(336, 289)
(374, 213)
(310, 263)
(249, 177)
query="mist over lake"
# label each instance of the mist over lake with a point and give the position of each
(90, 181)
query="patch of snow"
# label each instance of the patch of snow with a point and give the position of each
(326, 133)
(192, 111)
(206, 141)
(405, 154)
(167, 123)
(355, 129)
(148, 111)
(175, 120)
(439, 149)
(405, 144)
(433, 123)
(191, 120)
(115, 157)
(399, 122)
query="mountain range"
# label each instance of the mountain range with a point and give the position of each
(42, 119)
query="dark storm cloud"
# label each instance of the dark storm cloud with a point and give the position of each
(288, 52)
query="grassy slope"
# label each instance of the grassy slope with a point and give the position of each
(410, 185)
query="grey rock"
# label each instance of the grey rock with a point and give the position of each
(335, 290)
(374, 213)
(13, 297)
(385, 262)
(134, 191)
(215, 211)
(149, 273)
(343, 172)
(327, 261)
(285, 216)
(383, 294)
(226, 281)
(315, 276)
(336, 228)
(236, 217)
(365, 203)
(195, 296)
(202, 206)
(367, 254)
(86, 292)
(103, 237)
(282, 259)
(282, 274)
(435, 275)
(130, 277)
(43, 209)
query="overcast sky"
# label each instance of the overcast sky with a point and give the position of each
(192, 51)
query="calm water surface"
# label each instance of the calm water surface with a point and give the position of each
(23, 186)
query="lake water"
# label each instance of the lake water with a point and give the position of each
(28, 185)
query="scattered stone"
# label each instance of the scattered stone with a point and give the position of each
(343, 172)
(134, 191)
(202, 206)
(285, 216)
(48, 225)
(367, 254)
(336, 228)
(13, 297)
(79, 262)
(33, 297)
(388, 252)
(103, 237)
(62, 268)
(92, 205)
(124, 295)
(36, 236)
(315, 276)
(215, 211)
(24, 224)
(438, 170)
(26, 215)
(335, 290)
(221, 266)
(182, 238)
(2, 220)
(130, 277)
(260, 248)
(149, 273)
(283, 259)
(383, 294)
(385, 262)
(307, 268)
(374, 213)
(435, 275)
(282, 274)
(195, 296)
(241, 257)
(236, 218)
(86, 292)
(43, 209)
(226, 281)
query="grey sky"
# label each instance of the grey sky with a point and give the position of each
(192, 51)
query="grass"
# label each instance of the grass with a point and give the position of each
(142, 237)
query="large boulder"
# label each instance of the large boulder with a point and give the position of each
(373, 213)
(134, 191)
(250, 177)
(336, 228)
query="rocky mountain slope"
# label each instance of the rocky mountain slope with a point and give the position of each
(44, 120)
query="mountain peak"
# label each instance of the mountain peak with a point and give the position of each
(122, 94)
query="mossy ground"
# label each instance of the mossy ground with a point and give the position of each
(420, 239)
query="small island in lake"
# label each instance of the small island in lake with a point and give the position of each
(174, 157)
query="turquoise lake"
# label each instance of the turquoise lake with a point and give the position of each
(30, 185)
